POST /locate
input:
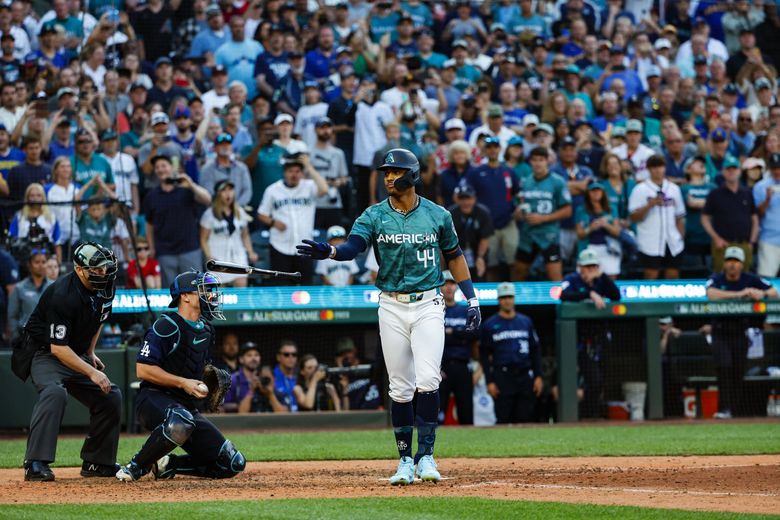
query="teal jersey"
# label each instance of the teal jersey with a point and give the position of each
(694, 231)
(407, 247)
(618, 202)
(543, 196)
(83, 172)
(435, 60)
(380, 25)
(466, 76)
(420, 13)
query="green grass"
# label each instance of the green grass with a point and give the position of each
(649, 439)
(375, 508)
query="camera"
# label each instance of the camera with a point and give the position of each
(265, 381)
(172, 181)
(356, 371)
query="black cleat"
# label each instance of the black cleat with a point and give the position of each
(89, 469)
(37, 471)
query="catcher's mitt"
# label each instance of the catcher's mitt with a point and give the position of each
(218, 381)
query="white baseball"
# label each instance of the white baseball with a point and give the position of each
(203, 388)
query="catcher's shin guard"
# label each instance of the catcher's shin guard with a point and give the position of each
(230, 462)
(174, 431)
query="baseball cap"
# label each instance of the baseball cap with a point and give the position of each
(605, 44)
(718, 135)
(730, 162)
(689, 161)
(515, 140)
(497, 26)
(544, 127)
(345, 344)
(666, 320)
(135, 85)
(700, 59)
(162, 60)
(224, 183)
(635, 100)
(762, 83)
(448, 276)
(455, 122)
(568, 141)
(224, 137)
(537, 42)
(734, 253)
(595, 185)
(669, 28)
(213, 10)
(184, 283)
(582, 122)
(505, 289)
(182, 112)
(588, 257)
(450, 63)
(495, 111)
(572, 69)
(323, 121)
(731, 88)
(619, 131)
(405, 17)
(753, 162)
(653, 71)
(159, 118)
(247, 346)
(218, 69)
(468, 100)
(634, 125)
(341, 49)
(81, 132)
(310, 83)
(662, 43)
(460, 42)
(699, 20)
(108, 135)
(161, 157)
(464, 190)
(64, 91)
(530, 119)
(617, 49)
(295, 53)
(283, 118)
(609, 95)
(47, 28)
(492, 140)
(347, 73)
(336, 232)
(774, 160)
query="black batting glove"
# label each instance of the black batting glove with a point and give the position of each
(314, 250)
(473, 316)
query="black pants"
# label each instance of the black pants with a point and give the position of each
(456, 379)
(54, 381)
(516, 400)
(361, 181)
(730, 351)
(591, 366)
(206, 440)
(291, 263)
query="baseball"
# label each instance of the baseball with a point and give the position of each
(203, 388)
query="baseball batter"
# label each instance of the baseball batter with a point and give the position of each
(409, 235)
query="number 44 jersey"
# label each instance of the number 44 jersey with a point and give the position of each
(408, 247)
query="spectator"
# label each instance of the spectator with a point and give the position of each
(617, 185)
(251, 388)
(695, 192)
(285, 138)
(496, 187)
(730, 218)
(589, 283)
(96, 224)
(766, 194)
(216, 99)
(165, 90)
(143, 266)
(598, 229)
(32, 170)
(337, 274)
(512, 360)
(224, 167)
(459, 166)
(264, 160)
(211, 37)
(288, 208)
(657, 208)
(154, 26)
(610, 114)
(717, 155)
(171, 211)
(731, 335)
(158, 144)
(26, 293)
(371, 117)
(319, 59)
(62, 194)
(60, 142)
(378, 190)
(667, 331)
(577, 179)
(224, 232)
(331, 164)
(474, 227)
(10, 156)
(52, 268)
(123, 169)
(232, 126)
(191, 146)
(273, 64)
(310, 113)
(227, 356)
(312, 390)
(34, 223)
(286, 374)
(545, 201)
(90, 168)
(238, 55)
(634, 151)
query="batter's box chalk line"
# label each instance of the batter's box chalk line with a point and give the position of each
(417, 479)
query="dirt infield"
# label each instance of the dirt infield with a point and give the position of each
(728, 483)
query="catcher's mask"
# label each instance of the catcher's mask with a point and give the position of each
(100, 264)
(206, 285)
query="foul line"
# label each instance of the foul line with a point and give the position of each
(625, 490)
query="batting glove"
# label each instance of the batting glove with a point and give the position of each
(315, 250)
(473, 316)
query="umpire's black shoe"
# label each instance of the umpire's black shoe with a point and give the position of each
(89, 469)
(37, 471)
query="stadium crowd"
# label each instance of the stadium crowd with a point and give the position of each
(176, 131)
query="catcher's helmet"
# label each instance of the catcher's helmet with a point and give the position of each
(92, 256)
(206, 285)
(402, 159)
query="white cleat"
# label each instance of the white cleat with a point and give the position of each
(404, 475)
(426, 469)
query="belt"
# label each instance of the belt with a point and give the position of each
(511, 368)
(413, 297)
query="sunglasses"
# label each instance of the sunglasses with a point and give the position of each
(142, 249)
(289, 354)
(749, 119)
(83, 141)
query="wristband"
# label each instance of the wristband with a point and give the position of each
(332, 252)
(467, 288)
(473, 302)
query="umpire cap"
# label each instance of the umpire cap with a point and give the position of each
(402, 159)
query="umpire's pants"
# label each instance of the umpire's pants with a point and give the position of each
(54, 381)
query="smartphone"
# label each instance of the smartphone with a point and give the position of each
(41, 108)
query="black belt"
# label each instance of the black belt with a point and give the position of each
(458, 361)
(514, 369)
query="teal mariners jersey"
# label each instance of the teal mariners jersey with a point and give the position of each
(542, 196)
(407, 247)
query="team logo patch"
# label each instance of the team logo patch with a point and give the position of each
(389, 159)
(402, 445)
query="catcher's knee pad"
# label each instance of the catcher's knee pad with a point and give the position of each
(178, 425)
(229, 460)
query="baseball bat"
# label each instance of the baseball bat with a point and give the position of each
(219, 266)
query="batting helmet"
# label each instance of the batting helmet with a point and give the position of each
(402, 159)
(92, 256)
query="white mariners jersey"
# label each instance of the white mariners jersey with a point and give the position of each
(295, 208)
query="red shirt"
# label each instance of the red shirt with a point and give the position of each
(150, 269)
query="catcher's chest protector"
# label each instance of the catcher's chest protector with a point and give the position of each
(189, 350)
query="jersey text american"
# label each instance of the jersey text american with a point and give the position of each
(406, 238)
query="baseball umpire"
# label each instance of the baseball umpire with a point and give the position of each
(59, 340)
(409, 235)
(171, 366)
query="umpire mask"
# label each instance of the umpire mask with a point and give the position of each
(101, 266)
(210, 296)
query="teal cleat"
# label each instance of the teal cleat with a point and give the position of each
(404, 475)
(426, 469)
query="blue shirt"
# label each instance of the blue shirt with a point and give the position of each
(57, 150)
(318, 64)
(402, 50)
(496, 189)
(630, 80)
(770, 223)
(207, 41)
(274, 68)
(457, 342)
(600, 123)
(239, 60)
(574, 288)
(283, 388)
(449, 179)
(11, 159)
(510, 342)
(579, 173)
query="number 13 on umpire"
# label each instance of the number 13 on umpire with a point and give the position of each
(409, 235)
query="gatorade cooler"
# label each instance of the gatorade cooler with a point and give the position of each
(618, 411)
(709, 402)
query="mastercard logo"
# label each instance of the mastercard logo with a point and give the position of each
(301, 297)
(555, 292)
(759, 307)
(326, 315)
(619, 310)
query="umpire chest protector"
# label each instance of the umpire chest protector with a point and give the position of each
(187, 348)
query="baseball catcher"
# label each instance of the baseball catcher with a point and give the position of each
(173, 369)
